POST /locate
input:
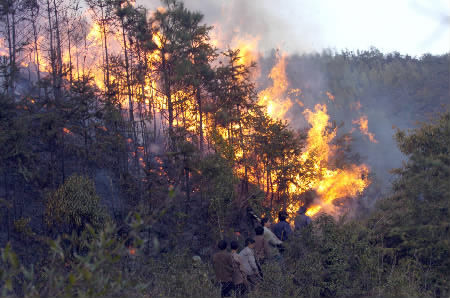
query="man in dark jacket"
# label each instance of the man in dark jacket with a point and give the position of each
(282, 229)
(223, 267)
(302, 220)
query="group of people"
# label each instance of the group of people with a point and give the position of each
(241, 272)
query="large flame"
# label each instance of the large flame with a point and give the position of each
(247, 49)
(274, 97)
(329, 184)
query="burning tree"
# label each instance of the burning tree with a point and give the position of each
(119, 74)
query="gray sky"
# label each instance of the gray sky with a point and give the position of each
(410, 27)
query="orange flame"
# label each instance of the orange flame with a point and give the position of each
(363, 123)
(329, 184)
(274, 98)
(248, 49)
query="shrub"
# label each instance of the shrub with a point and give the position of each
(73, 205)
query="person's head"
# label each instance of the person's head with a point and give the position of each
(222, 245)
(234, 245)
(302, 210)
(265, 222)
(249, 242)
(259, 230)
(282, 215)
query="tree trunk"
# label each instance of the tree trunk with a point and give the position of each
(13, 65)
(52, 51)
(103, 22)
(127, 72)
(169, 97)
(11, 37)
(70, 56)
(58, 50)
(200, 111)
(36, 50)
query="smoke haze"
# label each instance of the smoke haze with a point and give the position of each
(302, 27)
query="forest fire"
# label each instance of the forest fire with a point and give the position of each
(142, 140)
(329, 184)
(115, 61)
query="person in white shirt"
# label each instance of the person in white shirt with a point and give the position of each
(249, 265)
(271, 238)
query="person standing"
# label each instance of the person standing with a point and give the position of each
(301, 220)
(271, 239)
(249, 265)
(282, 229)
(239, 277)
(223, 268)
(261, 246)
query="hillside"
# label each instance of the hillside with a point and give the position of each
(129, 144)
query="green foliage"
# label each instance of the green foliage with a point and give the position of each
(326, 259)
(102, 269)
(330, 259)
(339, 259)
(21, 226)
(74, 205)
(278, 148)
(219, 182)
(105, 268)
(177, 275)
(15, 154)
(95, 273)
(415, 224)
(14, 277)
(9, 270)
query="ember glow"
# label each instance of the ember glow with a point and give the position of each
(67, 131)
(3, 48)
(330, 96)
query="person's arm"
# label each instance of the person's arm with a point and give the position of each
(252, 262)
(266, 249)
(273, 239)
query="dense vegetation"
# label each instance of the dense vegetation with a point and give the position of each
(99, 198)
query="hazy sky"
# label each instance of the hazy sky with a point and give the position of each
(407, 26)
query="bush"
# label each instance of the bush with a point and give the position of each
(74, 205)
